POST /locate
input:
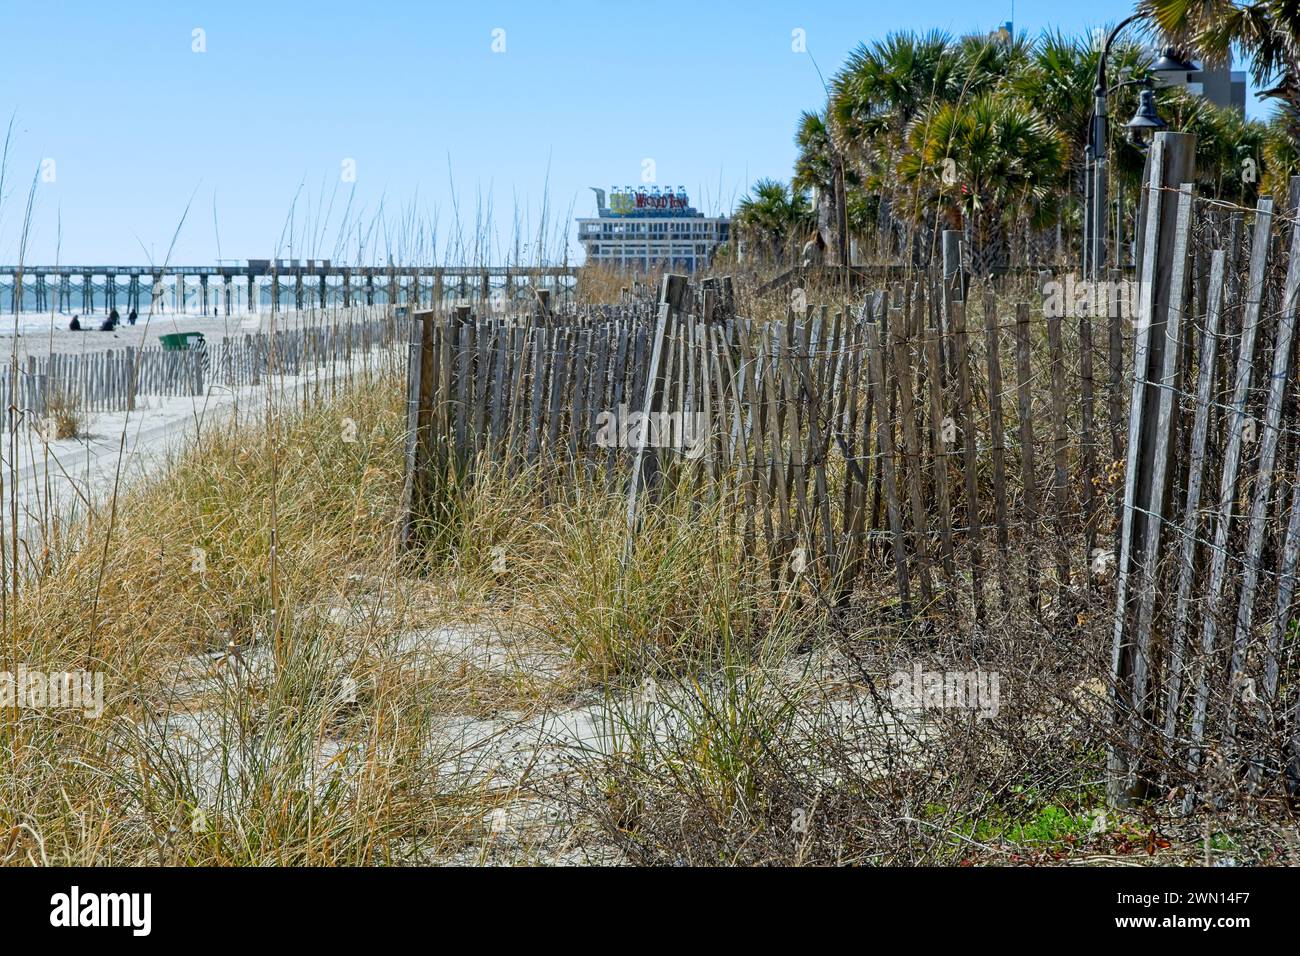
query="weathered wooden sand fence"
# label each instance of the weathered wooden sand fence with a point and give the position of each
(1204, 650)
(885, 437)
(249, 359)
(970, 453)
(99, 381)
(114, 379)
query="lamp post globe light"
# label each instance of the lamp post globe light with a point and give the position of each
(1170, 63)
(1145, 122)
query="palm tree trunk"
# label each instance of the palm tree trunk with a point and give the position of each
(828, 219)
(988, 244)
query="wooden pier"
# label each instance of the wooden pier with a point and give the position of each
(294, 283)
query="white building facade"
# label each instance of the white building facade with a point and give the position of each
(639, 229)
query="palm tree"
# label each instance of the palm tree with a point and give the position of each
(1007, 120)
(985, 164)
(774, 217)
(816, 168)
(836, 187)
(881, 88)
(872, 99)
(1281, 154)
(1230, 149)
(985, 63)
(1268, 32)
(894, 79)
(1058, 80)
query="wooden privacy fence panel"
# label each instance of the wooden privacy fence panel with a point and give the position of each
(1204, 664)
(913, 435)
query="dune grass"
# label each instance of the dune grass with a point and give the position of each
(246, 608)
(277, 693)
(226, 569)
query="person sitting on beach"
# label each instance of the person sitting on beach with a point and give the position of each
(131, 317)
(108, 324)
(75, 324)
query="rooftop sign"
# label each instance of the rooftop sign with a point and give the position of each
(632, 201)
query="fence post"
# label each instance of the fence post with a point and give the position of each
(419, 398)
(1171, 163)
(130, 378)
(645, 463)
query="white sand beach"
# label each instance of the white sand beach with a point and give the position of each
(43, 334)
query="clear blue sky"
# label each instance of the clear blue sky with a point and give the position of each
(437, 124)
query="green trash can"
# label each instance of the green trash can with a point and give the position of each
(181, 341)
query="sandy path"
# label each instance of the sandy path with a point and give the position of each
(65, 475)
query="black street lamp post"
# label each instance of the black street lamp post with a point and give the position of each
(1144, 122)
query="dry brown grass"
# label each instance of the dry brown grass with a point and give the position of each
(599, 284)
(245, 588)
(63, 418)
(254, 590)
(249, 602)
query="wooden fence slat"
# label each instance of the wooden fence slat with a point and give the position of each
(939, 454)
(1028, 466)
(1231, 459)
(885, 439)
(969, 442)
(1195, 480)
(1254, 551)
(993, 365)
(1060, 461)
(912, 459)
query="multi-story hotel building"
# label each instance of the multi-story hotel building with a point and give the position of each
(641, 228)
(1221, 85)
